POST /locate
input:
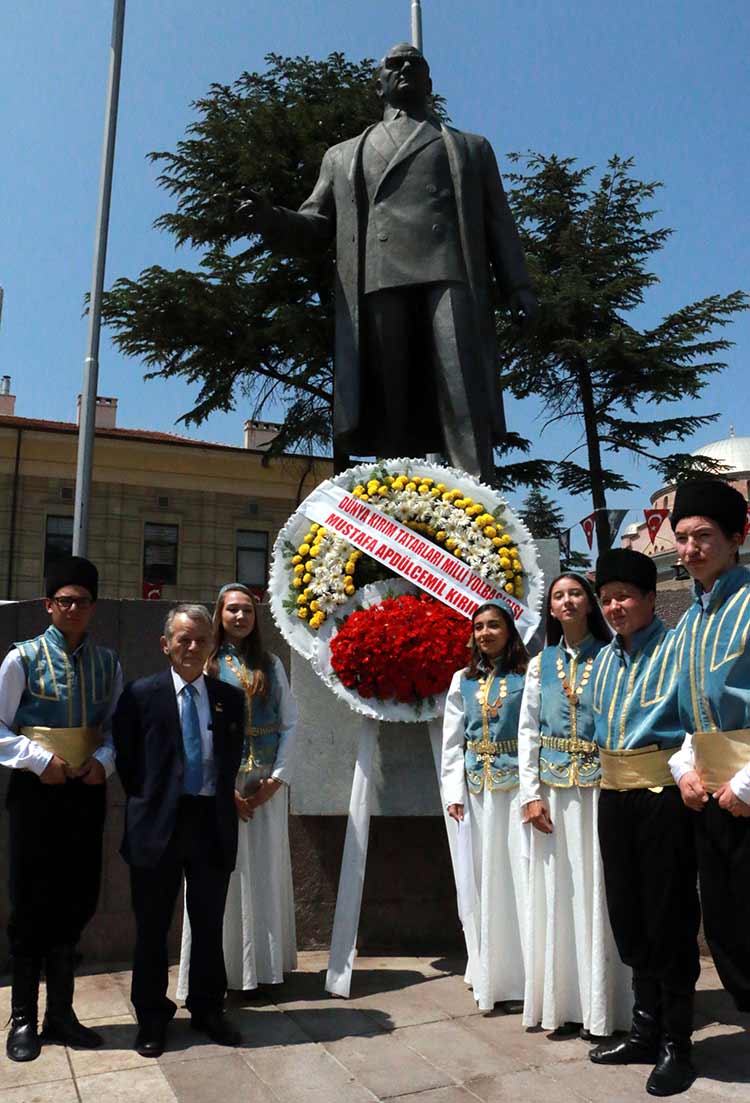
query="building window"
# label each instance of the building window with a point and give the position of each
(252, 559)
(58, 539)
(160, 553)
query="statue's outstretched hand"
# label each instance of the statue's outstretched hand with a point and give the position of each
(256, 212)
(524, 306)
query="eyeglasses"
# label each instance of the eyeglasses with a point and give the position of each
(66, 602)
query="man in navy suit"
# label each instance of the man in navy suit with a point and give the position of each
(178, 742)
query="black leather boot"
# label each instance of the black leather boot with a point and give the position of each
(23, 1041)
(641, 1046)
(674, 1072)
(60, 1022)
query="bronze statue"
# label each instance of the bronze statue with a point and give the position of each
(420, 218)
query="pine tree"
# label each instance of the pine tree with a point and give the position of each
(588, 245)
(545, 521)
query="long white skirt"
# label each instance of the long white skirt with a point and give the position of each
(260, 939)
(574, 973)
(492, 876)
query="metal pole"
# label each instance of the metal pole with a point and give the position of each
(416, 24)
(87, 421)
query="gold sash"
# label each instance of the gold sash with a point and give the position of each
(72, 745)
(720, 755)
(640, 768)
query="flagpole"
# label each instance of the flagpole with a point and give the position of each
(416, 24)
(87, 421)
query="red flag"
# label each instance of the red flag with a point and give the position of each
(588, 524)
(152, 591)
(655, 518)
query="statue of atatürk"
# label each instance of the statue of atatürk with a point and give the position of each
(420, 217)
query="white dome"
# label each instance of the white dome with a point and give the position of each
(733, 452)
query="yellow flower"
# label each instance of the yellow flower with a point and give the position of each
(350, 567)
(309, 539)
(358, 491)
(459, 503)
(506, 540)
(450, 544)
(297, 583)
(388, 480)
(348, 590)
(320, 534)
(497, 541)
(296, 559)
(310, 565)
(302, 600)
(411, 486)
(302, 613)
(364, 497)
(300, 568)
(306, 577)
(518, 591)
(504, 562)
(314, 606)
(509, 575)
(303, 549)
(348, 580)
(317, 619)
(427, 482)
(314, 527)
(440, 487)
(509, 587)
(315, 550)
(440, 535)
(435, 492)
(423, 489)
(490, 531)
(383, 491)
(468, 502)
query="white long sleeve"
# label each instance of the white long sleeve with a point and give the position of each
(683, 760)
(452, 775)
(529, 737)
(288, 716)
(18, 752)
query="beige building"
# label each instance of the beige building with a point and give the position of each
(734, 454)
(170, 516)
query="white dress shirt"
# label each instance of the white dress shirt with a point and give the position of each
(18, 752)
(207, 737)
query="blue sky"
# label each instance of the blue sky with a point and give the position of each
(665, 81)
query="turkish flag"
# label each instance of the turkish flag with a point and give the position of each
(655, 518)
(588, 524)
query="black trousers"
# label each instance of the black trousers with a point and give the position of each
(195, 851)
(424, 387)
(55, 861)
(650, 879)
(722, 844)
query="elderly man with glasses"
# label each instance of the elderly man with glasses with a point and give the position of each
(57, 696)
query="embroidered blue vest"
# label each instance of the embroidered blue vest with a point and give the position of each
(568, 754)
(64, 690)
(635, 694)
(714, 657)
(491, 751)
(261, 741)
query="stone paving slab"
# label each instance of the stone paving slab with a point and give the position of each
(411, 1033)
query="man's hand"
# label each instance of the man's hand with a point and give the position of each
(268, 787)
(256, 212)
(243, 811)
(692, 791)
(537, 814)
(91, 773)
(456, 812)
(730, 802)
(524, 306)
(55, 772)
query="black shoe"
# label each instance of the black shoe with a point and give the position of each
(626, 1051)
(65, 1029)
(674, 1072)
(150, 1039)
(566, 1030)
(23, 1042)
(216, 1027)
(510, 1007)
(593, 1039)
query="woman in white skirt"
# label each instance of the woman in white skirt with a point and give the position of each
(260, 942)
(575, 981)
(479, 781)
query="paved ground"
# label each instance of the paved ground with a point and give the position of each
(411, 1032)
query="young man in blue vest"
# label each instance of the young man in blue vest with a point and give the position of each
(57, 695)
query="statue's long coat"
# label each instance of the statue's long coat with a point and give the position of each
(338, 206)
